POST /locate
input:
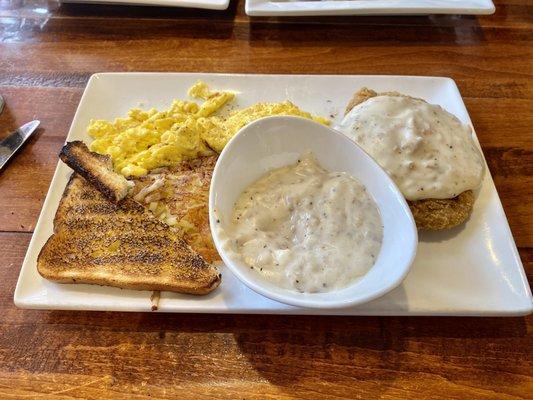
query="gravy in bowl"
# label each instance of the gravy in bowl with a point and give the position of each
(306, 229)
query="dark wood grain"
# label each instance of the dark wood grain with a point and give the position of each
(95, 355)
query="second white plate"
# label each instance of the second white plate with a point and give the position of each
(471, 270)
(366, 7)
(207, 4)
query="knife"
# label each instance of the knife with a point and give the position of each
(15, 140)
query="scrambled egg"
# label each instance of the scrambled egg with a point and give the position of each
(146, 140)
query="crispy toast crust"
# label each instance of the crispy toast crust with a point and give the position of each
(96, 169)
(429, 214)
(100, 242)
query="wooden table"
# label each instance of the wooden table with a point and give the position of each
(95, 355)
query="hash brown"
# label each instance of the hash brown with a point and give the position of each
(179, 195)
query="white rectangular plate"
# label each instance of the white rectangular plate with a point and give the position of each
(207, 4)
(367, 7)
(471, 270)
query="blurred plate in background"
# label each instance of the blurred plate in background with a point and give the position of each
(208, 4)
(367, 7)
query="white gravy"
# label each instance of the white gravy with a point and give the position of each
(306, 229)
(426, 150)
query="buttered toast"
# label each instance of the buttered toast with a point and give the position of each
(99, 241)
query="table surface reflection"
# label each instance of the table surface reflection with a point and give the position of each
(46, 59)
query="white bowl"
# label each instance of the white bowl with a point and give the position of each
(275, 142)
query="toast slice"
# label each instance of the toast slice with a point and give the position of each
(100, 241)
(429, 214)
(96, 169)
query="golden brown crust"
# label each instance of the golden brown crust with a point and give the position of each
(437, 214)
(96, 169)
(429, 214)
(121, 244)
(361, 95)
(185, 193)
